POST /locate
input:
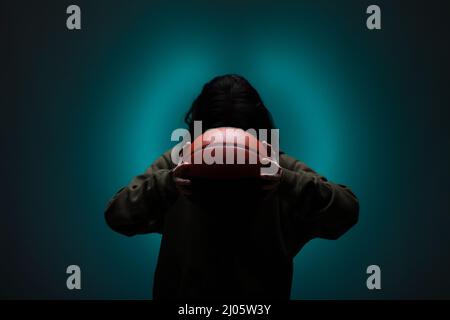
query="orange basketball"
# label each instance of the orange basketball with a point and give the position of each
(224, 153)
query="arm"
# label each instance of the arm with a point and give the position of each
(322, 209)
(139, 208)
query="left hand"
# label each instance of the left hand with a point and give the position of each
(272, 180)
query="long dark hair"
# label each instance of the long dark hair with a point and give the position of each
(229, 101)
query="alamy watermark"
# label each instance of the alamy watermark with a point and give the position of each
(213, 153)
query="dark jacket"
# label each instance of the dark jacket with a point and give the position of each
(221, 246)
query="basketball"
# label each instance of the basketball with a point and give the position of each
(224, 153)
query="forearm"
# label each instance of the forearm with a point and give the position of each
(139, 207)
(329, 209)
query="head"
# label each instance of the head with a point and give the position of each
(229, 101)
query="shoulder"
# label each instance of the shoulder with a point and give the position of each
(288, 162)
(164, 161)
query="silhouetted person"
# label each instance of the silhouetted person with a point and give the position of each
(221, 248)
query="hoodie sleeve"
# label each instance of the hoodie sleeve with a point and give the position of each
(139, 207)
(319, 208)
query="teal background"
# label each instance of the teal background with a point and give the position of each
(85, 111)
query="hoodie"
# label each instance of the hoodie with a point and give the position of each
(230, 242)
